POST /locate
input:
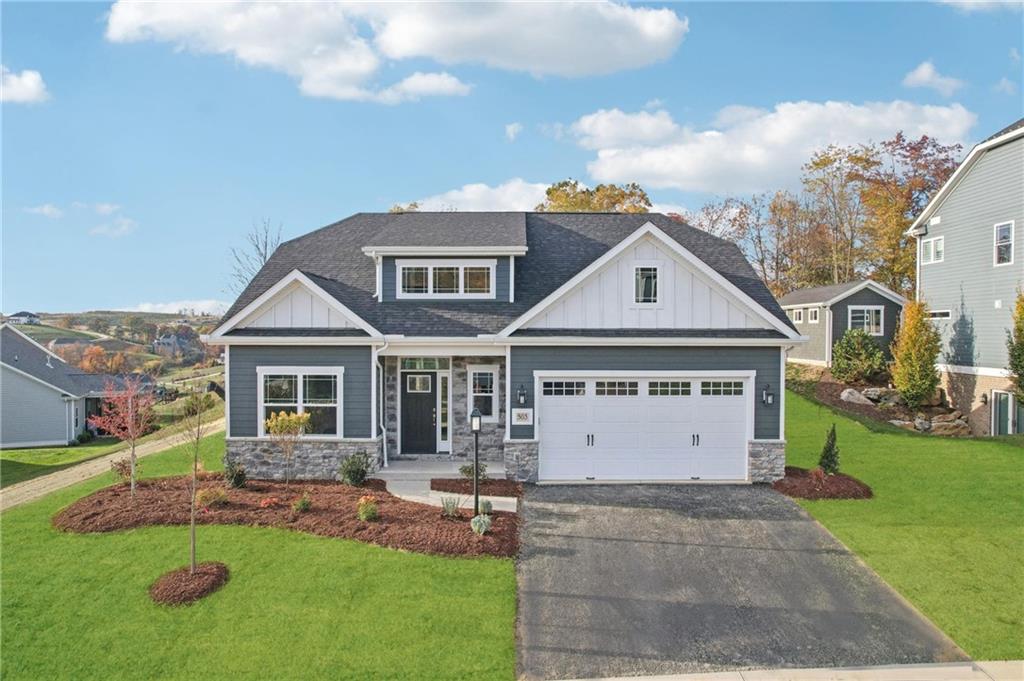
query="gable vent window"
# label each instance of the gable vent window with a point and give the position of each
(646, 287)
(445, 279)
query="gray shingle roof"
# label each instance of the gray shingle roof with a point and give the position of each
(453, 229)
(560, 246)
(1010, 128)
(818, 294)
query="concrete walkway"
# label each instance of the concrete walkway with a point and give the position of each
(30, 490)
(958, 671)
(410, 480)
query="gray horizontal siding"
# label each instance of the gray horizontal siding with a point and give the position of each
(967, 283)
(766, 362)
(817, 333)
(389, 281)
(30, 412)
(890, 322)
(243, 361)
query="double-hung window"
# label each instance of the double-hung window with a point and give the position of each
(445, 279)
(812, 315)
(1003, 254)
(870, 318)
(933, 250)
(483, 391)
(798, 316)
(305, 390)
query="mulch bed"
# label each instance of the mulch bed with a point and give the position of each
(490, 488)
(801, 484)
(178, 587)
(402, 524)
(828, 391)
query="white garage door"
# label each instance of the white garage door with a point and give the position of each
(643, 428)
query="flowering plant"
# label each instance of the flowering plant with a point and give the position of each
(367, 508)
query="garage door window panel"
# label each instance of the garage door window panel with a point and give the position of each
(668, 388)
(564, 388)
(616, 388)
(721, 388)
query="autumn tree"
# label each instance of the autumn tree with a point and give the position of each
(831, 181)
(127, 414)
(720, 217)
(1015, 348)
(410, 207)
(285, 429)
(570, 196)
(195, 427)
(914, 353)
(94, 360)
(260, 243)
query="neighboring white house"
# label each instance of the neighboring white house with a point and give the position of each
(23, 317)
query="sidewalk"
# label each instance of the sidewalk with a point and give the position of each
(30, 490)
(410, 480)
(958, 671)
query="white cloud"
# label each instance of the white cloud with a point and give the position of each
(118, 227)
(655, 103)
(983, 5)
(1005, 86)
(925, 75)
(512, 131)
(667, 208)
(615, 128)
(763, 149)
(106, 208)
(337, 50)
(207, 306)
(47, 210)
(26, 87)
(1014, 55)
(515, 194)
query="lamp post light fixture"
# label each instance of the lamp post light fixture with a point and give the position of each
(521, 395)
(475, 420)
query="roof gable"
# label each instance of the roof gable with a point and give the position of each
(833, 293)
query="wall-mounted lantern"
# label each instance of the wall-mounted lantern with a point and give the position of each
(767, 398)
(521, 396)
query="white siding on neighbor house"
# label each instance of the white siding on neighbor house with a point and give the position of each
(296, 307)
(30, 412)
(686, 299)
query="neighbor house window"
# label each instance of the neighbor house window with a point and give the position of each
(483, 391)
(798, 316)
(306, 390)
(1004, 243)
(645, 290)
(933, 250)
(445, 278)
(870, 318)
(812, 315)
(939, 314)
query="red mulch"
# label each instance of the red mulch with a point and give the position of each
(402, 525)
(491, 488)
(178, 587)
(799, 483)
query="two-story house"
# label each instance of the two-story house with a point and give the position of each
(970, 268)
(595, 347)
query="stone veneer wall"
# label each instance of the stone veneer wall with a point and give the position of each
(492, 435)
(522, 459)
(767, 460)
(964, 392)
(313, 460)
(391, 403)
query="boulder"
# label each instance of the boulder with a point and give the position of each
(887, 395)
(922, 424)
(946, 418)
(851, 395)
(907, 425)
(957, 428)
(935, 400)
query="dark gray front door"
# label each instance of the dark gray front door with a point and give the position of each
(419, 413)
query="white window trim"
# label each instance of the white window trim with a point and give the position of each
(1011, 410)
(430, 265)
(658, 286)
(881, 318)
(932, 315)
(299, 372)
(798, 316)
(813, 318)
(995, 243)
(493, 370)
(933, 241)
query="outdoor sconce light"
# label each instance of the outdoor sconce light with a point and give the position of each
(474, 421)
(521, 395)
(767, 397)
(984, 399)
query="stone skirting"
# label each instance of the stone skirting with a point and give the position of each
(313, 460)
(965, 392)
(767, 460)
(522, 459)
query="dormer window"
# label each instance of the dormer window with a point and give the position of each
(445, 279)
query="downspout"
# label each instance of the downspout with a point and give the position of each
(380, 410)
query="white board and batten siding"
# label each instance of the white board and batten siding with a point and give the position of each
(298, 308)
(686, 299)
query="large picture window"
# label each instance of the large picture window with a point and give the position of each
(870, 318)
(306, 390)
(483, 391)
(445, 279)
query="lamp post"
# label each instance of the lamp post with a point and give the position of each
(474, 425)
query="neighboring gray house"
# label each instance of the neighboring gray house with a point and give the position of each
(825, 313)
(596, 346)
(970, 267)
(43, 401)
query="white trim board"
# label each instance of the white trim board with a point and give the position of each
(300, 372)
(994, 372)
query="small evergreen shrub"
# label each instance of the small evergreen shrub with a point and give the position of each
(367, 508)
(303, 503)
(467, 471)
(829, 461)
(481, 524)
(209, 497)
(450, 507)
(486, 506)
(355, 469)
(122, 468)
(856, 357)
(234, 474)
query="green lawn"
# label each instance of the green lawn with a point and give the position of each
(297, 606)
(946, 526)
(42, 333)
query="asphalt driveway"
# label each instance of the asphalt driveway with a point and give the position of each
(632, 580)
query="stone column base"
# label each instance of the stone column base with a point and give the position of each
(767, 460)
(522, 459)
(313, 460)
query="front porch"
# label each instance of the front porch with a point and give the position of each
(410, 479)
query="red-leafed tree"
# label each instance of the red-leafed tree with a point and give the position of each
(127, 414)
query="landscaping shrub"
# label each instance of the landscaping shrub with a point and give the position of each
(234, 474)
(914, 352)
(122, 468)
(856, 357)
(467, 471)
(269, 502)
(486, 506)
(355, 469)
(1015, 348)
(818, 476)
(450, 507)
(481, 524)
(211, 496)
(302, 504)
(85, 436)
(367, 508)
(829, 461)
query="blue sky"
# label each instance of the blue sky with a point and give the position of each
(140, 142)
